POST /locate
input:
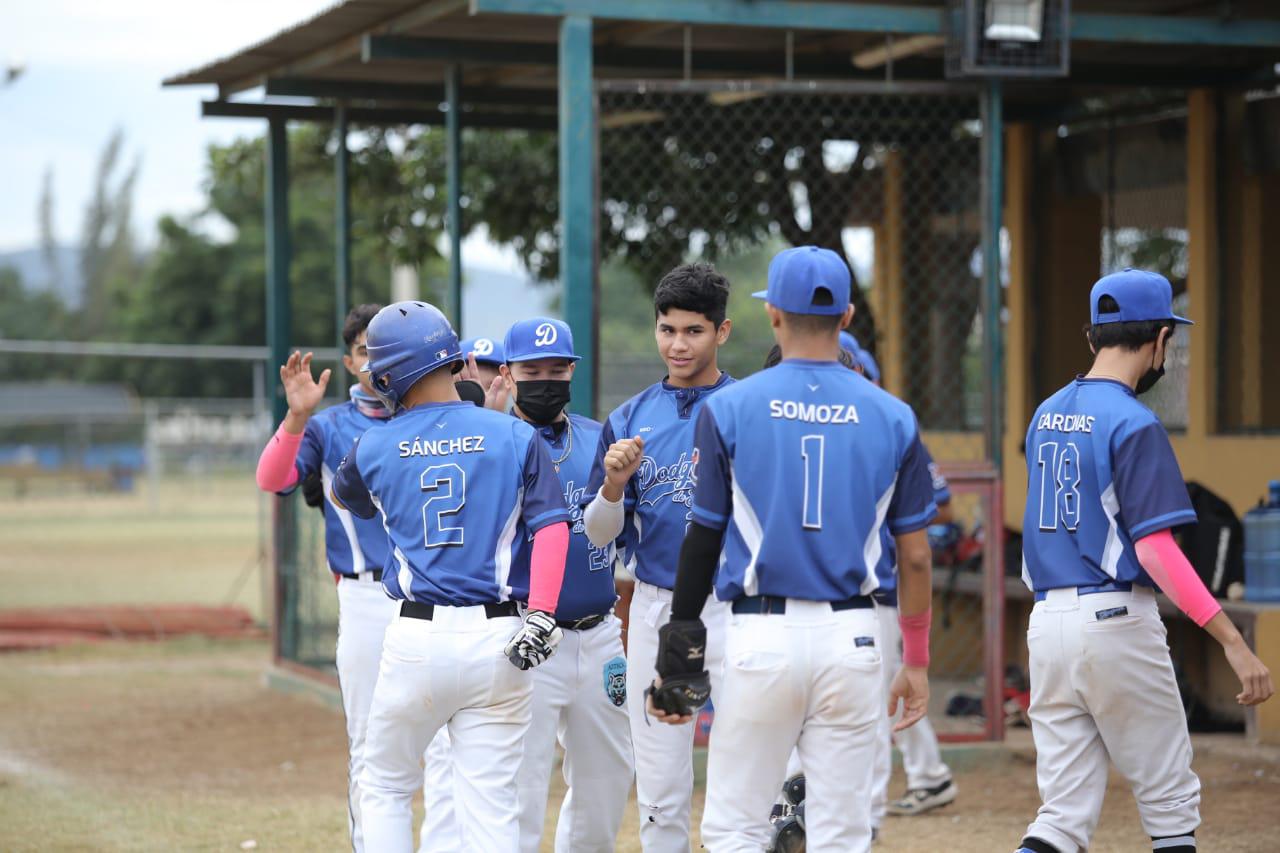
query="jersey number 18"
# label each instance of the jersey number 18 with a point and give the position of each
(1059, 485)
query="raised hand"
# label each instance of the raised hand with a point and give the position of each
(495, 396)
(301, 390)
(620, 462)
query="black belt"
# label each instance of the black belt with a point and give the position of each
(419, 610)
(584, 624)
(764, 604)
(355, 576)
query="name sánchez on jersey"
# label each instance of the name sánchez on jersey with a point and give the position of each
(1055, 422)
(442, 446)
(813, 413)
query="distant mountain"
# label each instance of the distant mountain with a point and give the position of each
(36, 275)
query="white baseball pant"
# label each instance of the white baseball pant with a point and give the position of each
(364, 612)
(663, 753)
(1102, 686)
(807, 679)
(579, 700)
(449, 671)
(921, 756)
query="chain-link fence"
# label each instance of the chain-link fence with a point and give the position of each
(890, 178)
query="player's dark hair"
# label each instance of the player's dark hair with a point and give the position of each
(357, 321)
(1128, 336)
(693, 287)
(774, 358)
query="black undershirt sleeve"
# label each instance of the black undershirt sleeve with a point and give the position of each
(699, 557)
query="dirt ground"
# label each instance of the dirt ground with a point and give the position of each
(181, 746)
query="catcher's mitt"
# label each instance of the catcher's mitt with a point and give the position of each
(686, 685)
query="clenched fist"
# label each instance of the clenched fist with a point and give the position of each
(621, 461)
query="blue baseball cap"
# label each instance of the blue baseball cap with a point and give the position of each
(864, 359)
(540, 337)
(1141, 295)
(487, 350)
(796, 275)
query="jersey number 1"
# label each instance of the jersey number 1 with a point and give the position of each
(812, 449)
(449, 485)
(1059, 485)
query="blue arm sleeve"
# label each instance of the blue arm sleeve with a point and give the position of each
(349, 488)
(543, 495)
(713, 494)
(1148, 483)
(912, 506)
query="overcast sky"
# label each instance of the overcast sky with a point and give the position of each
(93, 66)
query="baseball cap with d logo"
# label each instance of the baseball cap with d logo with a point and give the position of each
(540, 337)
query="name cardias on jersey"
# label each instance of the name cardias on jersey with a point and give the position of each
(441, 446)
(1056, 422)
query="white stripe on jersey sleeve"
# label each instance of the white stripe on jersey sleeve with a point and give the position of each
(748, 524)
(873, 547)
(405, 575)
(345, 518)
(502, 556)
(1114, 548)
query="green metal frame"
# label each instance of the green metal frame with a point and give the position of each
(884, 18)
(453, 181)
(377, 116)
(366, 90)
(992, 290)
(342, 225)
(578, 203)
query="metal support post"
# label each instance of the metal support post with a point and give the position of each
(342, 242)
(453, 167)
(577, 202)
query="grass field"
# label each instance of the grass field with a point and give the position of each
(181, 745)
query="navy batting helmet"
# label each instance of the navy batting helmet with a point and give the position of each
(407, 341)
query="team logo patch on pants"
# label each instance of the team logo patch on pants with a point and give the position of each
(615, 680)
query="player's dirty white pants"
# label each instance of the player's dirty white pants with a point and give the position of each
(921, 757)
(1105, 688)
(447, 671)
(579, 699)
(664, 754)
(364, 612)
(797, 679)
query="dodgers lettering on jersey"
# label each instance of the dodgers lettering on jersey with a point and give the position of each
(351, 544)
(460, 489)
(797, 462)
(659, 496)
(1101, 475)
(588, 571)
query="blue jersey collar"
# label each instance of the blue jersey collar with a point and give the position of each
(686, 397)
(1081, 379)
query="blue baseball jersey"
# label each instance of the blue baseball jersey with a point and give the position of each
(1101, 475)
(798, 462)
(459, 489)
(659, 496)
(588, 572)
(351, 544)
(887, 569)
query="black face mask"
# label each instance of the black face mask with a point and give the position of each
(470, 391)
(542, 400)
(1148, 380)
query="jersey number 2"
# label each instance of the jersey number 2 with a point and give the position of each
(449, 484)
(1059, 486)
(812, 449)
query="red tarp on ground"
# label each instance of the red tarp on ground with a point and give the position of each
(22, 630)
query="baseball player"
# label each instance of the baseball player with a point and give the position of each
(483, 361)
(1103, 492)
(459, 489)
(641, 488)
(579, 696)
(794, 463)
(929, 782)
(306, 445)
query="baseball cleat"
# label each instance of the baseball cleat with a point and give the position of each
(921, 800)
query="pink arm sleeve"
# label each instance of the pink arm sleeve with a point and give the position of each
(915, 638)
(546, 569)
(1168, 567)
(276, 471)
